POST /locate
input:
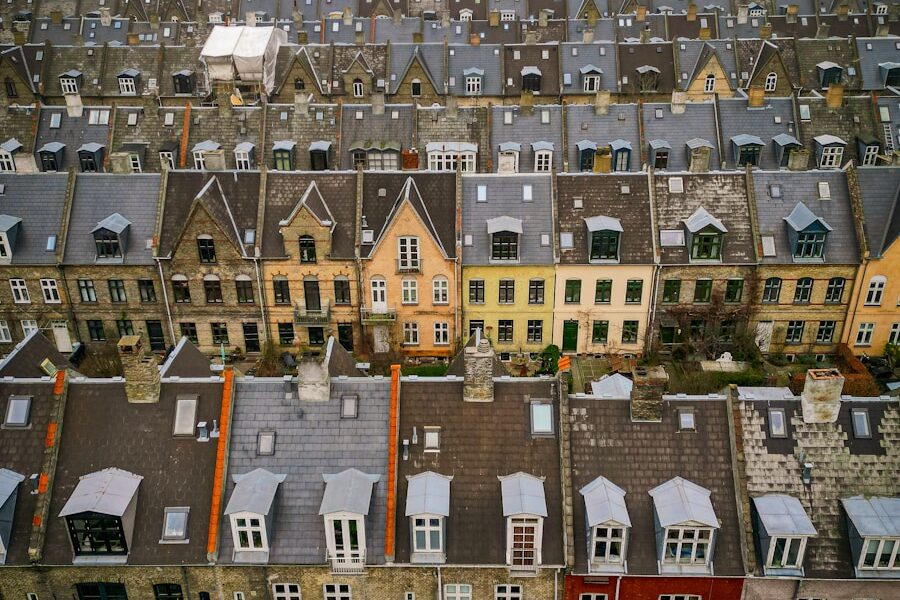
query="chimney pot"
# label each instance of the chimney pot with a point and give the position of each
(141, 370)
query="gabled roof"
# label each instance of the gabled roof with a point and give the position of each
(709, 53)
(428, 493)
(801, 218)
(360, 59)
(783, 515)
(114, 222)
(348, 491)
(828, 139)
(15, 57)
(314, 202)
(767, 50)
(107, 492)
(746, 139)
(254, 492)
(603, 223)
(613, 385)
(416, 56)
(523, 493)
(9, 482)
(880, 191)
(409, 193)
(874, 516)
(604, 502)
(212, 198)
(680, 501)
(701, 219)
(26, 358)
(7, 222)
(185, 361)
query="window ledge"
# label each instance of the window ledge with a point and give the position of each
(185, 541)
(798, 259)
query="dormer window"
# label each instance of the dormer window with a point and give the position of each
(659, 153)
(128, 82)
(345, 504)
(771, 82)
(746, 149)
(199, 153)
(473, 77)
(9, 230)
(705, 233)
(829, 151)
(807, 234)
(284, 155)
(183, 81)
(8, 150)
(465, 14)
(94, 515)
(51, 156)
(869, 149)
(890, 73)
(782, 528)
(444, 156)
(307, 249)
(110, 236)
(358, 88)
(543, 156)
(524, 508)
(873, 530)
(829, 73)
(621, 154)
(416, 88)
(531, 79)
(69, 82)
(508, 157)
(90, 157)
(9, 491)
(608, 525)
(586, 151)
(244, 155)
(318, 155)
(604, 234)
(590, 78)
(504, 232)
(648, 78)
(250, 512)
(686, 525)
(784, 145)
(709, 84)
(428, 506)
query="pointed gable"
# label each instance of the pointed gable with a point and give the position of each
(313, 201)
(409, 195)
(418, 59)
(709, 61)
(302, 66)
(770, 60)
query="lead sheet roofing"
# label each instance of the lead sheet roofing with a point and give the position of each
(107, 492)
(428, 493)
(604, 502)
(783, 515)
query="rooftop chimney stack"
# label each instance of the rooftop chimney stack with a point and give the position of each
(478, 385)
(645, 35)
(301, 103)
(543, 17)
(641, 13)
(792, 11)
(313, 381)
(587, 36)
(843, 11)
(756, 97)
(601, 102)
(692, 12)
(140, 368)
(647, 393)
(494, 18)
(822, 31)
(821, 396)
(678, 103)
(250, 18)
(531, 37)
(700, 159)
(474, 39)
(526, 102)
(347, 16)
(834, 97)
(798, 160)
(378, 103)
(105, 18)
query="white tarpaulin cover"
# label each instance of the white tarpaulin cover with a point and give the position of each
(245, 53)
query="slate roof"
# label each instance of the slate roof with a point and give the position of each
(177, 471)
(285, 190)
(604, 29)
(638, 456)
(694, 55)
(620, 123)
(185, 360)
(25, 359)
(879, 189)
(697, 121)
(531, 56)
(504, 198)
(527, 128)
(38, 199)
(431, 56)
(840, 51)
(285, 122)
(457, 32)
(92, 31)
(388, 29)
(119, 58)
(72, 131)
(802, 186)
(754, 53)
(855, 118)
(737, 117)
(311, 440)
(22, 451)
(601, 195)
(634, 56)
(576, 55)
(374, 129)
(432, 195)
(151, 132)
(475, 452)
(844, 466)
(97, 196)
(506, 33)
(724, 196)
(242, 125)
(486, 57)
(883, 50)
(240, 193)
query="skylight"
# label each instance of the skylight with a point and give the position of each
(185, 415)
(17, 411)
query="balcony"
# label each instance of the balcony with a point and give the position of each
(409, 265)
(352, 563)
(382, 314)
(525, 569)
(303, 316)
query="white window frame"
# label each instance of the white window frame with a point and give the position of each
(126, 86)
(410, 333)
(29, 325)
(870, 156)
(5, 333)
(68, 85)
(864, 334)
(446, 161)
(135, 161)
(507, 592)
(441, 334)
(680, 597)
(875, 291)
(5, 250)
(771, 82)
(408, 253)
(679, 537)
(50, 290)
(785, 551)
(249, 529)
(337, 591)
(543, 161)
(780, 431)
(861, 429)
(20, 291)
(590, 83)
(7, 162)
(169, 536)
(473, 84)
(440, 290)
(893, 561)
(242, 160)
(358, 89)
(894, 336)
(610, 533)
(507, 15)
(831, 157)
(427, 528)
(709, 84)
(529, 521)
(409, 291)
(199, 160)
(457, 591)
(167, 158)
(286, 591)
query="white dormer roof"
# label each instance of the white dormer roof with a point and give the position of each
(9, 483)
(680, 501)
(783, 515)
(802, 217)
(108, 492)
(604, 502)
(701, 219)
(348, 491)
(114, 222)
(205, 146)
(428, 493)
(827, 140)
(874, 517)
(254, 492)
(504, 223)
(510, 147)
(523, 494)
(603, 223)
(530, 71)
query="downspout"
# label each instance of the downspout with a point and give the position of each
(556, 584)
(262, 303)
(440, 584)
(162, 283)
(618, 585)
(657, 267)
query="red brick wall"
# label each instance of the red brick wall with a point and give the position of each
(650, 588)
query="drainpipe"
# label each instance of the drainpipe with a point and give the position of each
(162, 283)
(556, 584)
(618, 585)
(262, 297)
(440, 585)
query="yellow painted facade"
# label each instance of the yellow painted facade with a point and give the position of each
(697, 89)
(532, 303)
(871, 309)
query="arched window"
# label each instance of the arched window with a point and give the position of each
(803, 291)
(181, 289)
(876, 290)
(771, 82)
(440, 288)
(206, 248)
(212, 287)
(11, 91)
(772, 290)
(357, 88)
(299, 85)
(416, 87)
(709, 86)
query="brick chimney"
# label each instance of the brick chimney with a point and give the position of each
(133, 39)
(705, 33)
(543, 17)
(692, 12)
(798, 160)
(250, 18)
(105, 18)
(451, 107)
(645, 35)
(646, 395)
(601, 102)
(821, 396)
(417, 37)
(56, 17)
(301, 103)
(677, 105)
(120, 162)
(445, 19)
(843, 11)
(214, 160)
(526, 102)
(791, 14)
(531, 37)
(478, 385)
(494, 18)
(822, 31)
(140, 368)
(378, 103)
(587, 36)
(474, 39)
(641, 13)
(756, 96)
(834, 97)
(603, 160)
(347, 16)
(765, 31)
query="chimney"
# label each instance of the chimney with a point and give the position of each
(359, 38)
(56, 17)
(452, 110)
(105, 18)
(601, 102)
(526, 102)
(641, 13)
(120, 163)
(223, 100)
(705, 33)
(646, 394)
(398, 17)
(297, 17)
(678, 101)
(822, 31)
(742, 14)
(834, 97)
(798, 160)
(494, 18)
(302, 36)
(692, 12)
(587, 36)
(214, 160)
(250, 18)
(756, 96)
(543, 17)
(378, 103)
(700, 159)
(313, 381)
(133, 39)
(141, 370)
(410, 159)
(154, 21)
(603, 160)
(592, 18)
(792, 11)
(20, 37)
(301, 103)
(821, 396)
(474, 39)
(445, 19)
(895, 160)
(74, 107)
(645, 35)
(347, 16)
(478, 384)
(882, 30)
(417, 37)
(843, 12)
(765, 31)
(530, 38)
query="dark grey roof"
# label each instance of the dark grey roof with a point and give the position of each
(796, 187)
(604, 29)
(689, 51)
(26, 358)
(527, 129)
(395, 125)
(879, 188)
(883, 50)
(72, 131)
(487, 57)
(92, 31)
(185, 360)
(457, 32)
(574, 56)
(38, 200)
(387, 29)
(698, 120)
(737, 117)
(620, 123)
(504, 198)
(431, 57)
(311, 440)
(97, 196)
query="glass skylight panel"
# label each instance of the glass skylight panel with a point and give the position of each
(541, 418)
(17, 411)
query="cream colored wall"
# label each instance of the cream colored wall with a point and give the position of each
(883, 316)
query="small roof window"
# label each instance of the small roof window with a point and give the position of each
(541, 418)
(349, 407)
(185, 415)
(17, 411)
(777, 423)
(265, 443)
(175, 525)
(861, 426)
(686, 420)
(432, 439)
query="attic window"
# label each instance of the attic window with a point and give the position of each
(687, 420)
(676, 185)
(625, 189)
(175, 524)
(169, 119)
(265, 443)
(526, 193)
(185, 415)
(658, 113)
(775, 190)
(55, 119)
(51, 243)
(249, 236)
(368, 236)
(349, 407)
(861, 427)
(566, 240)
(432, 439)
(482, 193)
(768, 245)
(777, 423)
(17, 411)
(671, 238)
(824, 190)
(804, 112)
(541, 418)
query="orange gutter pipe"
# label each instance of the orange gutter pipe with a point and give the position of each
(212, 539)
(182, 156)
(392, 465)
